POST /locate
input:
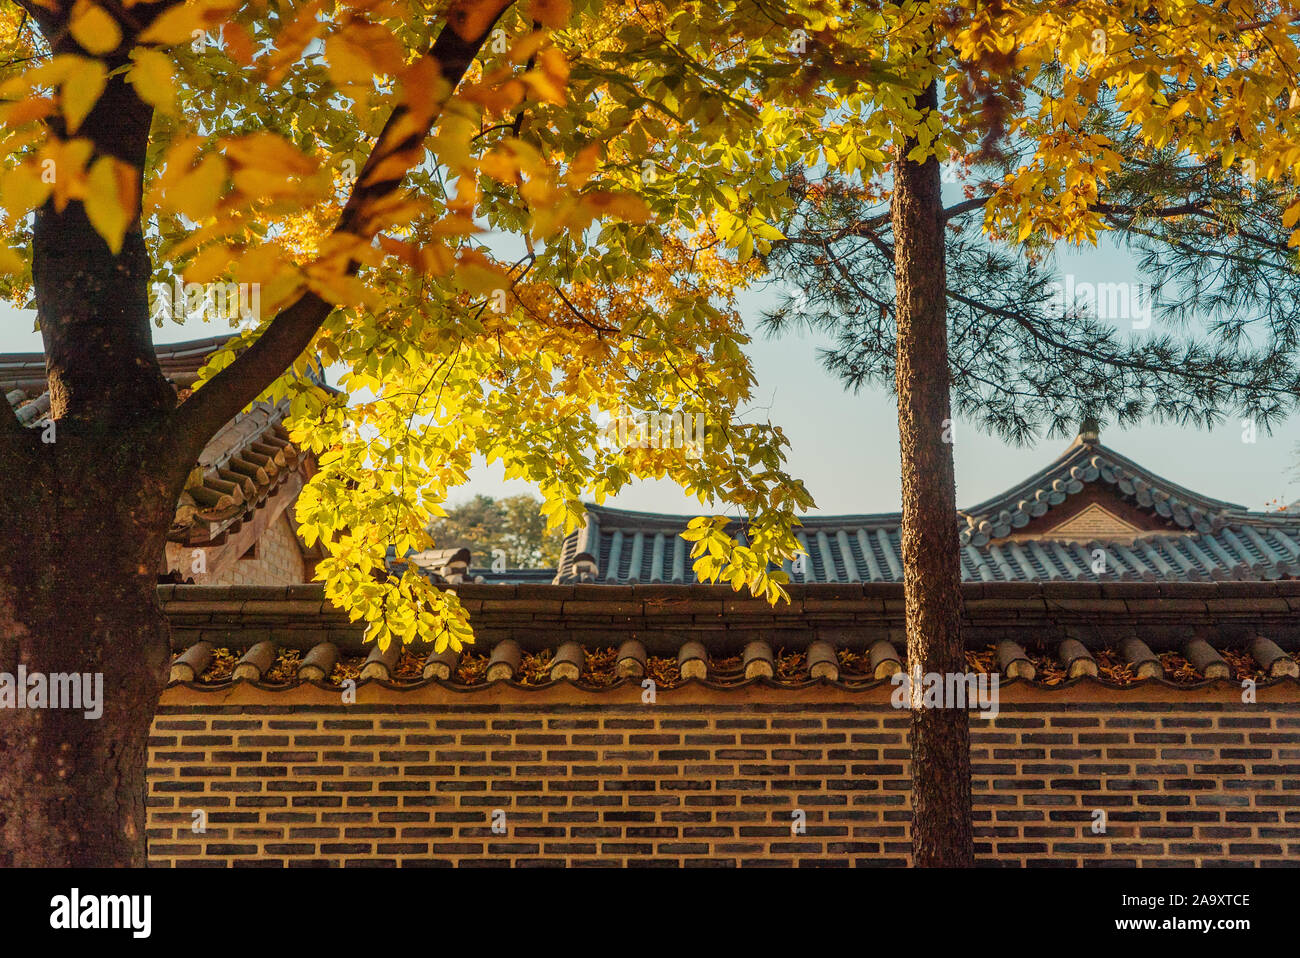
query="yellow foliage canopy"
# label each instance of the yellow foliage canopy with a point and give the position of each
(563, 234)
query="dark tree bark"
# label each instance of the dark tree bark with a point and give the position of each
(82, 529)
(84, 518)
(83, 523)
(941, 782)
(93, 306)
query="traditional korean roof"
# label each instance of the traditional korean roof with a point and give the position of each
(249, 461)
(22, 375)
(1085, 463)
(1093, 515)
(1181, 636)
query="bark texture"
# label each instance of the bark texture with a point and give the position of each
(941, 782)
(81, 529)
(86, 508)
(93, 305)
(88, 499)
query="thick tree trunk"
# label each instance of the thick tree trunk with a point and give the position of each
(93, 305)
(87, 501)
(81, 531)
(83, 518)
(941, 782)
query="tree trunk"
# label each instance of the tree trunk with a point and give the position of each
(88, 499)
(82, 528)
(941, 782)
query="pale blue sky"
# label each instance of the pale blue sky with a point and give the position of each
(845, 447)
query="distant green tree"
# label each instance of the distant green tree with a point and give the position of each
(513, 524)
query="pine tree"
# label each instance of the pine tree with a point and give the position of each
(1124, 118)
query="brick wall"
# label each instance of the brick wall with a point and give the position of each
(712, 778)
(278, 562)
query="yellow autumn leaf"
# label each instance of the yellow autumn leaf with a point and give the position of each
(22, 189)
(196, 194)
(337, 289)
(1180, 108)
(475, 273)
(80, 90)
(501, 165)
(544, 87)
(362, 52)
(153, 78)
(348, 63)
(526, 47)
(551, 13)
(93, 28)
(625, 206)
(269, 153)
(110, 199)
(549, 80)
(262, 183)
(436, 259)
(10, 261)
(209, 264)
(176, 25)
(259, 265)
(553, 63)
(584, 164)
(26, 110)
(63, 164)
(238, 43)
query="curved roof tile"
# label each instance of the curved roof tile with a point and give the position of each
(1194, 537)
(243, 465)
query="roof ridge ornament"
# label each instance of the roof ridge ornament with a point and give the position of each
(1090, 430)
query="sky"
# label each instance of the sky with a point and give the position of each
(845, 446)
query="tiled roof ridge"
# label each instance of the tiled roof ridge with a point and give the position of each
(24, 384)
(1213, 538)
(1085, 680)
(1078, 451)
(1085, 462)
(633, 519)
(536, 636)
(162, 350)
(248, 460)
(180, 363)
(1238, 549)
(1071, 639)
(544, 611)
(242, 466)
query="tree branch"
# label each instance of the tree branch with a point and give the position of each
(1182, 209)
(469, 24)
(1112, 359)
(966, 206)
(50, 21)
